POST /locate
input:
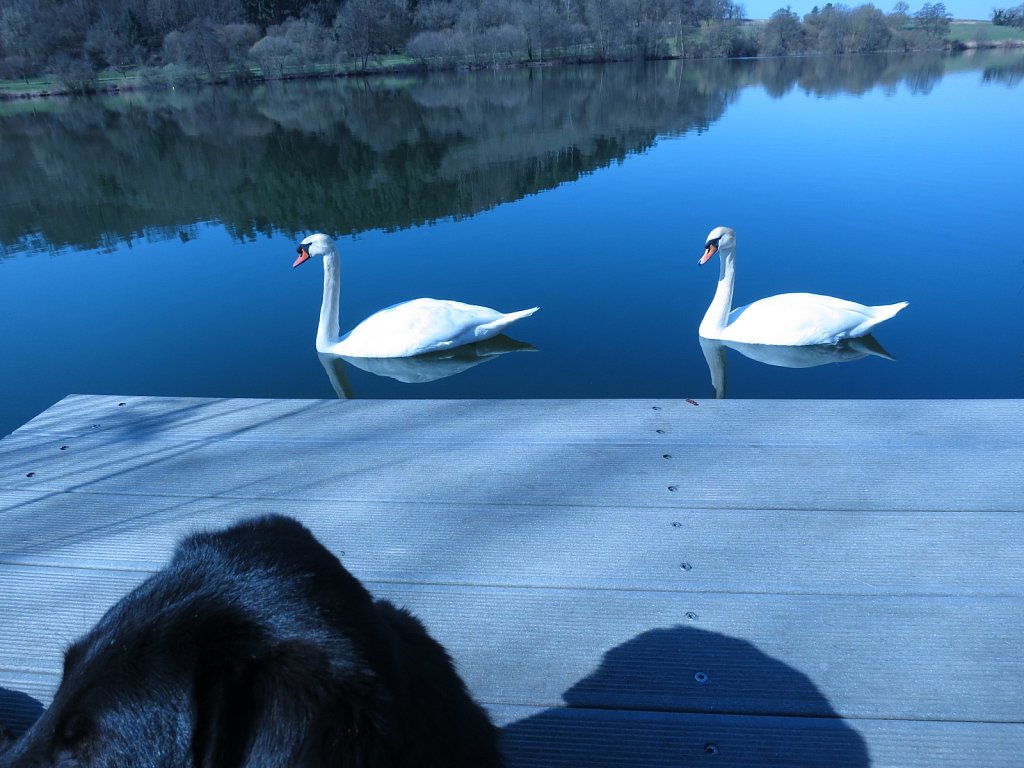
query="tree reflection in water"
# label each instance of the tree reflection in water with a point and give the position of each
(347, 156)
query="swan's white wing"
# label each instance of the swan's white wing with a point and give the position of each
(799, 319)
(419, 326)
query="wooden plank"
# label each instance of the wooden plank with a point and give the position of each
(879, 423)
(852, 594)
(780, 477)
(562, 737)
(756, 551)
(933, 658)
(21, 694)
(365, 451)
(579, 738)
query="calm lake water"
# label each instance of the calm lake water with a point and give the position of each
(146, 241)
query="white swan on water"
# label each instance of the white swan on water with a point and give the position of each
(791, 319)
(403, 330)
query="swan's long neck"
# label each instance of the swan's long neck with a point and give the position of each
(329, 331)
(717, 316)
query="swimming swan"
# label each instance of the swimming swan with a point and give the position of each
(792, 319)
(403, 330)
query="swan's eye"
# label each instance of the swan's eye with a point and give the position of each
(712, 243)
(298, 249)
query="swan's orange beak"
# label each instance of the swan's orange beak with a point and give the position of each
(303, 256)
(708, 253)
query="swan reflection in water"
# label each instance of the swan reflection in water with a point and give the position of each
(804, 356)
(420, 369)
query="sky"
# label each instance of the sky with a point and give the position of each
(959, 9)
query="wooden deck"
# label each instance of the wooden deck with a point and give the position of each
(622, 583)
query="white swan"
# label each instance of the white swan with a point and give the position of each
(792, 319)
(403, 330)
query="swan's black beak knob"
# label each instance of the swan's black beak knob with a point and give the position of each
(303, 255)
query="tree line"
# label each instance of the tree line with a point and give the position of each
(180, 40)
(1009, 17)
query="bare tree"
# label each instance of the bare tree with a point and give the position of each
(869, 30)
(608, 22)
(933, 19)
(294, 44)
(1009, 17)
(368, 28)
(22, 41)
(237, 40)
(200, 45)
(783, 34)
(542, 24)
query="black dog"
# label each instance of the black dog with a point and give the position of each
(255, 648)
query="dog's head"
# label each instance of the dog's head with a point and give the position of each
(184, 675)
(255, 648)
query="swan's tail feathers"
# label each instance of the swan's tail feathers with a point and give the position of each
(886, 311)
(873, 316)
(878, 315)
(513, 316)
(497, 326)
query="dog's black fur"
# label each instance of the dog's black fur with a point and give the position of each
(255, 648)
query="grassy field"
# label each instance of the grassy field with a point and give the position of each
(983, 31)
(51, 84)
(108, 80)
(21, 86)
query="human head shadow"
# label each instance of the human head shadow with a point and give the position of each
(659, 699)
(17, 713)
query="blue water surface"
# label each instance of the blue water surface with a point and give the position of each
(145, 252)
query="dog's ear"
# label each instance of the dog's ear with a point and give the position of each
(289, 704)
(223, 710)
